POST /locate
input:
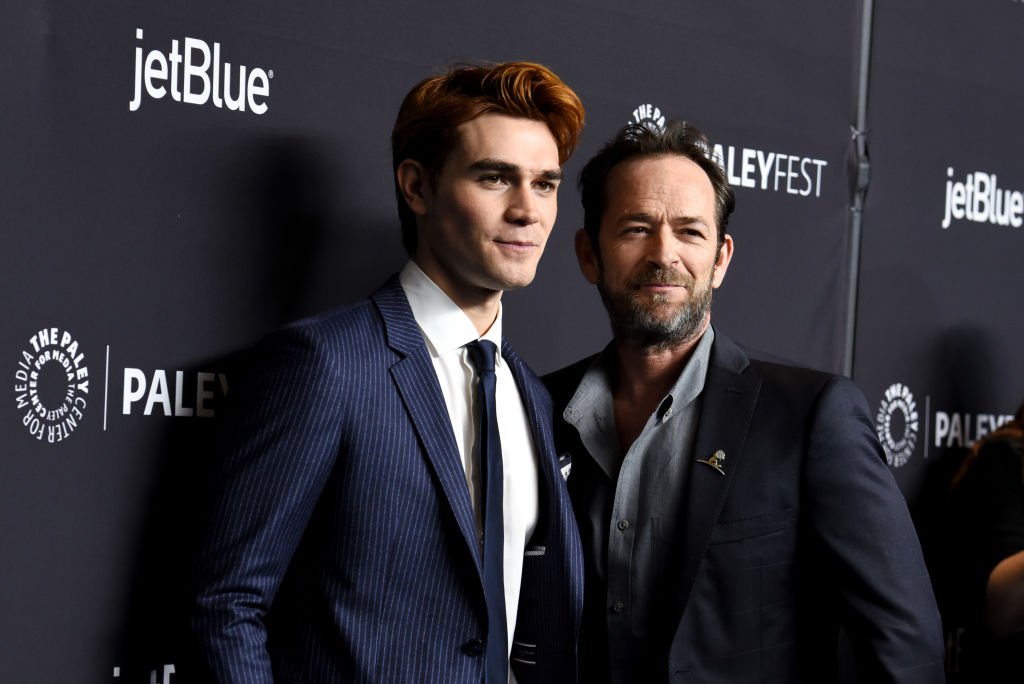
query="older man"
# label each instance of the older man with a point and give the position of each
(734, 513)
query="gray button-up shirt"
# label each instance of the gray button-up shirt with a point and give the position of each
(642, 539)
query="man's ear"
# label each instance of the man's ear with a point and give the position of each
(586, 256)
(412, 183)
(722, 261)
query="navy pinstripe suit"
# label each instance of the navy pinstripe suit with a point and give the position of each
(342, 541)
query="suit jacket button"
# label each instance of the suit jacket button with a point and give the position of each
(473, 647)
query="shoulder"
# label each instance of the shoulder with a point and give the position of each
(795, 378)
(342, 342)
(782, 374)
(338, 328)
(562, 383)
(797, 390)
(355, 327)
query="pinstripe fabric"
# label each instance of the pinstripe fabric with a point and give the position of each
(341, 546)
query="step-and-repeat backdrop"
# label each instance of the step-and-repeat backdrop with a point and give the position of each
(940, 326)
(179, 179)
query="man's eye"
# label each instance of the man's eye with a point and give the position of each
(545, 186)
(491, 180)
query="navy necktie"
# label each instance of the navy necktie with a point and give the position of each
(482, 353)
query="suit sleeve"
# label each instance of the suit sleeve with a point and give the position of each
(861, 520)
(278, 446)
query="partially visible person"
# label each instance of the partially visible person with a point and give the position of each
(987, 592)
(735, 512)
(377, 519)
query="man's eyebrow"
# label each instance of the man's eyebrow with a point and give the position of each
(644, 217)
(508, 167)
(689, 221)
(640, 217)
(494, 165)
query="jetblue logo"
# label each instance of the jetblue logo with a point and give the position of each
(194, 73)
(979, 199)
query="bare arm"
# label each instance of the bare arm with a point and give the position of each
(1004, 596)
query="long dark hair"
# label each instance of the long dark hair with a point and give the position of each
(1011, 431)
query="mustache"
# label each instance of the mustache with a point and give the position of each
(661, 276)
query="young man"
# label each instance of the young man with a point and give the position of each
(373, 523)
(734, 513)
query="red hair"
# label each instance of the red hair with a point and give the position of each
(425, 130)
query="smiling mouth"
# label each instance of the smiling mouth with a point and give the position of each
(661, 280)
(516, 246)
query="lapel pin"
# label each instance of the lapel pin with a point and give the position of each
(715, 461)
(565, 465)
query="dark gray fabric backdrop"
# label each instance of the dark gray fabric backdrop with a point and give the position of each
(145, 243)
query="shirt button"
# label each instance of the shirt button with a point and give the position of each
(623, 525)
(618, 607)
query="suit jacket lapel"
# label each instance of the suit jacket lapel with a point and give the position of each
(556, 529)
(538, 411)
(727, 404)
(416, 379)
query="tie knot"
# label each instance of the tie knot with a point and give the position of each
(481, 354)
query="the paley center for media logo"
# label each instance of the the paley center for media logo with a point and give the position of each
(749, 167)
(897, 424)
(648, 114)
(51, 385)
(901, 427)
(194, 73)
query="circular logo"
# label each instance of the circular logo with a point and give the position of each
(896, 423)
(649, 115)
(51, 384)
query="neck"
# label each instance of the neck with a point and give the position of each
(644, 376)
(478, 303)
(647, 373)
(482, 314)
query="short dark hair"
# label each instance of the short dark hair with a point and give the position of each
(425, 129)
(645, 140)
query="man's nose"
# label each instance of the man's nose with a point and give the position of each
(522, 209)
(662, 248)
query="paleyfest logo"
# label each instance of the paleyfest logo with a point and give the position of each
(51, 385)
(897, 424)
(749, 167)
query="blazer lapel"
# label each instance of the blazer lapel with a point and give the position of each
(416, 379)
(727, 405)
(556, 528)
(538, 412)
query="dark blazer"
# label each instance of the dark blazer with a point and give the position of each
(805, 532)
(342, 544)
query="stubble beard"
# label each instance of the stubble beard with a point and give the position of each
(659, 323)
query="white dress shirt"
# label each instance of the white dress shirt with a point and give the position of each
(446, 330)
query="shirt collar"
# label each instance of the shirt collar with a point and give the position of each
(445, 327)
(596, 385)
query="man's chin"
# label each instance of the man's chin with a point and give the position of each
(514, 281)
